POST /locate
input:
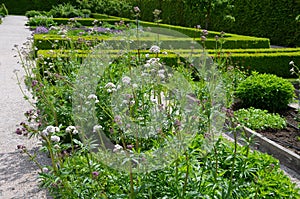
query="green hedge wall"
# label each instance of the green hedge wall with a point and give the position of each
(19, 7)
(42, 41)
(263, 61)
(274, 19)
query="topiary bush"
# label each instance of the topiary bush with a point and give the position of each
(265, 91)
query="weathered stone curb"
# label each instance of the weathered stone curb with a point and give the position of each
(285, 156)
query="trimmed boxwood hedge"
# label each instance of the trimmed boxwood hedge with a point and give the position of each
(273, 63)
(44, 41)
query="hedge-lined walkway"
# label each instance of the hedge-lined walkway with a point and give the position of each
(18, 175)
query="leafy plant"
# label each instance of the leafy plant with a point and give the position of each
(41, 21)
(265, 91)
(258, 119)
(65, 10)
(32, 13)
(3, 10)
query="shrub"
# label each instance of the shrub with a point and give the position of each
(258, 119)
(267, 62)
(3, 10)
(265, 91)
(32, 13)
(65, 10)
(41, 21)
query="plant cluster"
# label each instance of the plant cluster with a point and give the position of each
(265, 91)
(258, 119)
(3, 10)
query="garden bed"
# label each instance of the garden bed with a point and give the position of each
(288, 137)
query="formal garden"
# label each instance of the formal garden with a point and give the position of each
(133, 100)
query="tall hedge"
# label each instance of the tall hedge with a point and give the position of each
(19, 7)
(274, 19)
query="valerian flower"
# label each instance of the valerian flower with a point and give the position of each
(126, 80)
(55, 138)
(136, 9)
(291, 63)
(96, 128)
(154, 49)
(72, 129)
(117, 148)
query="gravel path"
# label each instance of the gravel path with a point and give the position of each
(18, 175)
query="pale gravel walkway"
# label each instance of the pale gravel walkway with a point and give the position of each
(18, 175)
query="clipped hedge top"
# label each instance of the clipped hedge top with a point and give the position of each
(191, 32)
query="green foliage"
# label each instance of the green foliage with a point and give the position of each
(41, 21)
(119, 8)
(65, 10)
(3, 10)
(265, 91)
(226, 171)
(255, 18)
(258, 119)
(32, 13)
(273, 63)
(21, 6)
(272, 19)
(256, 175)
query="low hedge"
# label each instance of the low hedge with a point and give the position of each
(44, 41)
(272, 63)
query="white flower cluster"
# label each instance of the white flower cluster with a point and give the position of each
(49, 130)
(93, 97)
(126, 80)
(72, 129)
(111, 87)
(96, 128)
(117, 148)
(155, 49)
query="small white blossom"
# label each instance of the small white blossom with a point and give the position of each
(147, 55)
(110, 85)
(52, 129)
(161, 75)
(147, 65)
(93, 96)
(154, 49)
(97, 128)
(45, 133)
(55, 138)
(165, 52)
(134, 85)
(117, 148)
(45, 170)
(126, 80)
(72, 129)
(292, 63)
(162, 71)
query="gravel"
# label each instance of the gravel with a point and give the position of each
(18, 175)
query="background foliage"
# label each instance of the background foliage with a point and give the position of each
(263, 18)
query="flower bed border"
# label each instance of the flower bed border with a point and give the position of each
(284, 155)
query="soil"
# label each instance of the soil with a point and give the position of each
(288, 137)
